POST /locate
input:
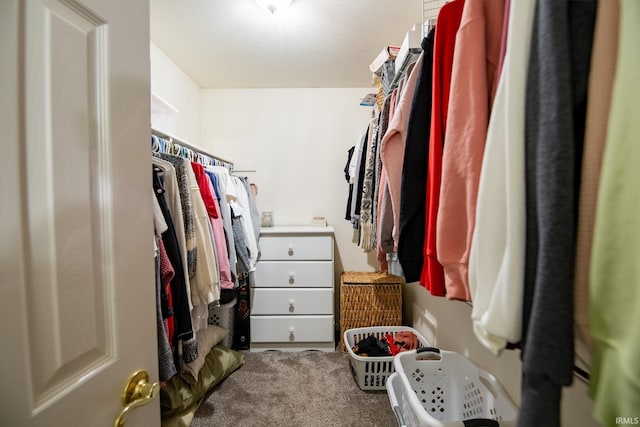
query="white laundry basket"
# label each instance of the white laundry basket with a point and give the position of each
(371, 373)
(445, 389)
(395, 392)
(224, 316)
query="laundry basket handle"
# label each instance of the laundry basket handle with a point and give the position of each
(481, 422)
(398, 413)
(429, 349)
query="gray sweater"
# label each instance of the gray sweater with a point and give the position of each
(555, 118)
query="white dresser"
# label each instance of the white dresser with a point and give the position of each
(292, 296)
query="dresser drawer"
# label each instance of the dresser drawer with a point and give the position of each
(318, 274)
(291, 329)
(275, 248)
(292, 301)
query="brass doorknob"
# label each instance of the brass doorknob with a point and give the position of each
(137, 392)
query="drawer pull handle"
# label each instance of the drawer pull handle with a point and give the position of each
(291, 307)
(290, 251)
(291, 336)
(292, 277)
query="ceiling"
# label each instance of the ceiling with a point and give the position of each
(313, 43)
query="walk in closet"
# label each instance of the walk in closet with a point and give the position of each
(186, 182)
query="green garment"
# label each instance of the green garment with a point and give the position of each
(614, 309)
(179, 399)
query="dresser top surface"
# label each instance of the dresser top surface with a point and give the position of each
(295, 229)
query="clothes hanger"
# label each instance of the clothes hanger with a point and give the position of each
(191, 155)
(159, 166)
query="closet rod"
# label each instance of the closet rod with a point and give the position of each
(181, 142)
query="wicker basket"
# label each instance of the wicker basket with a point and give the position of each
(369, 299)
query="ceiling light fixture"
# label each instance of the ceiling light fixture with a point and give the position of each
(273, 5)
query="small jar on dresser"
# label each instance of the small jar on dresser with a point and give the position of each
(292, 295)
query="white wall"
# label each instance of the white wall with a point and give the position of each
(296, 141)
(175, 87)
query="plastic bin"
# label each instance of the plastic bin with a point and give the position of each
(445, 389)
(224, 316)
(395, 392)
(371, 373)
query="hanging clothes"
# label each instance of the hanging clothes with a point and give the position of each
(254, 213)
(496, 260)
(221, 182)
(510, 215)
(166, 366)
(603, 66)
(182, 166)
(198, 201)
(167, 273)
(356, 169)
(204, 285)
(368, 189)
(555, 117)
(384, 224)
(432, 275)
(174, 206)
(377, 170)
(505, 35)
(184, 343)
(473, 85)
(242, 208)
(242, 247)
(393, 145)
(220, 241)
(347, 177)
(414, 169)
(615, 272)
(204, 185)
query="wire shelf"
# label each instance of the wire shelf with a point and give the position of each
(430, 9)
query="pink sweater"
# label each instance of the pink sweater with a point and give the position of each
(473, 85)
(393, 144)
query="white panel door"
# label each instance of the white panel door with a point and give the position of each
(77, 296)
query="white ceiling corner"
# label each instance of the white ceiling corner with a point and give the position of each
(313, 43)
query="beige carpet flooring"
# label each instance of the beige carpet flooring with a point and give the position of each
(301, 389)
